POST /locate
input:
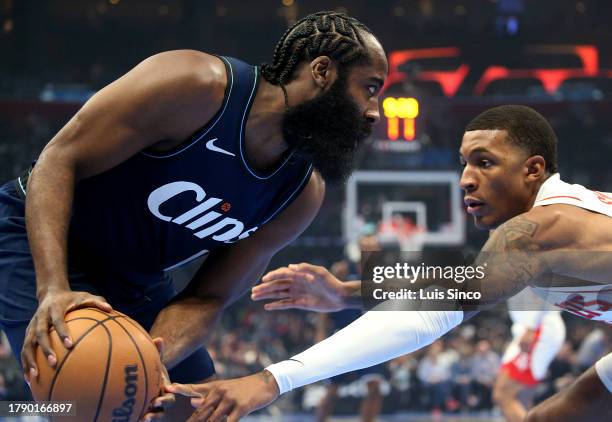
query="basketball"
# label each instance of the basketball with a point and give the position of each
(112, 372)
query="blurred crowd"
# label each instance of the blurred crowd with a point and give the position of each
(454, 374)
(92, 42)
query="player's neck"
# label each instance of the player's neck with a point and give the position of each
(264, 137)
(534, 195)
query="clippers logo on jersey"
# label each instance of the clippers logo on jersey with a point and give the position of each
(227, 229)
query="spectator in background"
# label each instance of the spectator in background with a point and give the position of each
(434, 372)
(328, 323)
(593, 347)
(560, 372)
(485, 365)
(463, 377)
(538, 335)
(401, 371)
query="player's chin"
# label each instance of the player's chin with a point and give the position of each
(486, 222)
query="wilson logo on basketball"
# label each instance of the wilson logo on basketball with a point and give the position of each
(123, 413)
(202, 221)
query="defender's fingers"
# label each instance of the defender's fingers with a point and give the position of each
(283, 304)
(279, 273)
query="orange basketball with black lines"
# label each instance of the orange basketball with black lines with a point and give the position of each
(112, 372)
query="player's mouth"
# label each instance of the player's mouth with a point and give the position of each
(473, 206)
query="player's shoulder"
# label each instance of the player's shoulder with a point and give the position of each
(549, 226)
(192, 67)
(186, 86)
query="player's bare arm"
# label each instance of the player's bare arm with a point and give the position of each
(514, 255)
(162, 100)
(227, 274)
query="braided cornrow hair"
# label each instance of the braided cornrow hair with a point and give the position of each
(330, 34)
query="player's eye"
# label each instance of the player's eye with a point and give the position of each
(485, 163)
(372, 89)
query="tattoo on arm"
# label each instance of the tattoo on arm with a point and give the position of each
(513, 257)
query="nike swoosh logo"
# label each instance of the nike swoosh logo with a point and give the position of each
(211, 146)
(295, 360)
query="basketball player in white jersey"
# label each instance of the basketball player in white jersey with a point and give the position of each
(548, 234)
(537, 338)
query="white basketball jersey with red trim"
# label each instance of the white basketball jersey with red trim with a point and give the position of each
(588, 301)
(556, 191)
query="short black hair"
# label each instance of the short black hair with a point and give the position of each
(526, 128)
(332, 34)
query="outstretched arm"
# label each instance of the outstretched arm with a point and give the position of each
(513, 257)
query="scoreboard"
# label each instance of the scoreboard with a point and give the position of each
(401, 114)
(400, 129)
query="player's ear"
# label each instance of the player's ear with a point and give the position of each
(535, 167)
(324, 71)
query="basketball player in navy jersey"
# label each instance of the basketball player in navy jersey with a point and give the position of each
(186, 155)
(549, 235)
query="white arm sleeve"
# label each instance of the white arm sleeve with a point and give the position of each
(376, 337)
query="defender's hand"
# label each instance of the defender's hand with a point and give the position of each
(301, 286)
(229, 400)
(51, 311)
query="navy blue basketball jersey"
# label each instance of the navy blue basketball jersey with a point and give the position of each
(159, 210)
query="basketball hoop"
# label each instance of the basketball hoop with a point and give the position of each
(401, 230)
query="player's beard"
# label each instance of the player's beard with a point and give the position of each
(327, 131)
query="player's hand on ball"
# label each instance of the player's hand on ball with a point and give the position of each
(301, 286)
(166, 399)
(52, 308)
(228, 400)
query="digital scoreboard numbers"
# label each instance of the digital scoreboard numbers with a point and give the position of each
(401, 114)
(399, 130)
